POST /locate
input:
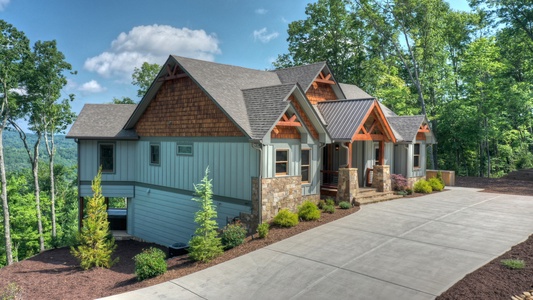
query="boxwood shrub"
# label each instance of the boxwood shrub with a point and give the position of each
(233, 235)
(308, 211)
(285, 218)
(150, 263)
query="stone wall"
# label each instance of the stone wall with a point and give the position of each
(278, 193)
(381, 180)
(348, 186)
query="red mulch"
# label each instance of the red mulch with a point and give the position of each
(55, 274)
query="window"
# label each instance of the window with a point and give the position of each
(184, 149)
(107, 158)
(305, 163)
(416, 156)
(154, 154)
(282, 162)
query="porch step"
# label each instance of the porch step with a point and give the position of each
(368, 195)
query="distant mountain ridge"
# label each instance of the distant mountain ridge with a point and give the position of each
(16, 158)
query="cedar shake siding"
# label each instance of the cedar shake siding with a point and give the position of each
(305, 118)
(284, 132)
(182, 109)
(319, 92)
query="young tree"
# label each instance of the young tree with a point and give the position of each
(205, 244)
(96, 244)
(144, 76)
(14, 46)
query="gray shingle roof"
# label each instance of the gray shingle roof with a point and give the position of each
(103, 121)
(344, 116)
(265, 105)
(386, 111)
(303, 75)
(224, 83)
(406, 127)
(352, 91)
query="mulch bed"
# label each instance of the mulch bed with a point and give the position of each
(55, 274)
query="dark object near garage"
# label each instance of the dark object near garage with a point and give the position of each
(177, 249)
(117, 218)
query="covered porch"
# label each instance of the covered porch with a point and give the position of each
(362, 152)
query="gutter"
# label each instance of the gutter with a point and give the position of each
(258, 145)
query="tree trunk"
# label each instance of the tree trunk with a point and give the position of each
(50, 148)
(5, 206)
(35, 171)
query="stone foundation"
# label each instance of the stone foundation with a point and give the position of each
(348, 186)
(381, 180)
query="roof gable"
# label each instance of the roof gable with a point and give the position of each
(408, 127)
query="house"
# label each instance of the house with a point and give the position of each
(271, 139)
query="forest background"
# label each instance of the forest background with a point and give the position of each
(470, 72)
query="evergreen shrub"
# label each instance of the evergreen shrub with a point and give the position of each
(329, 209)
(435, 184)
(285, 218)
(308, 211)
(345, 205)
(422, 186)
(263, 229)
(150, 263)
(233, 235)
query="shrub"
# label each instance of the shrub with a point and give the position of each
(330, 201)
(435, 184)
(95, 242)
(514, 263)
(329, 209)
(205, 244)
(285, 218)
(150, 263)
(439, 177)
(263, 229)
(345, 205)
(321, 204)
(422, 186)
(409, 191)
(399, 183)
(11, 292)
(233, 235)
(308, 211)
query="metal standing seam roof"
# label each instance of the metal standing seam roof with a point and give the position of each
(344, 116)
(406, 126)
(103, 121)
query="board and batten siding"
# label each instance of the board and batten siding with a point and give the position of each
(403, 164)
(124, 160)
(231, 166)
(165, 217)
(294, 169)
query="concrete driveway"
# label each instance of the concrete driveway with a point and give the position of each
(403, 249)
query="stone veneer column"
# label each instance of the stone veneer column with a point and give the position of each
(381, 180)
(348, 185)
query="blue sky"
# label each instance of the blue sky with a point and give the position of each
(105, 40)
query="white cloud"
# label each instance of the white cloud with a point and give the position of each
(263, 35)
(3, 4)
(91, 87)
(261, 11)
(153, 44)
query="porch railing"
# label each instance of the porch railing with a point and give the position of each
(330, 178)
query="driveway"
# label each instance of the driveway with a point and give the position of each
(403, 249)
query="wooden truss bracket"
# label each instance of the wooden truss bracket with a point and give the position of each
(286, 121)
(321, 78)
(172, 73)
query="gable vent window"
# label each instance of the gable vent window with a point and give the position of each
(416, 156)
(305, 162)
(155, 154)
(282, 162)
(107, 157)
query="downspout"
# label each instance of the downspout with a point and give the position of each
(348, 162)
(259, 147)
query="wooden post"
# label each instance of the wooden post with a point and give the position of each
(349, 155)
(381, 153)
